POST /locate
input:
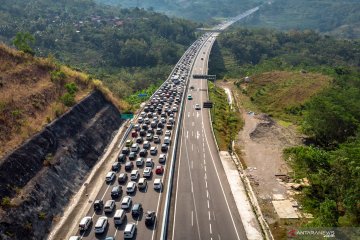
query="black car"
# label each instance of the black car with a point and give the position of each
(116, 191)
(146, 109)
(139, 140)
(125, 150)
(142, 133)
(98, 204)
(132, 156)
(122, 178)
(116, 166)
(145, 127)
(122, 158)
(158, 131)
(136, 210)
(160, 125)
(129, 166)
(151, 130)
(164, 148)
(143, 153)
(150, 218)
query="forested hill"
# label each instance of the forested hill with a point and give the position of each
(106, 41)
(201, 10)
(339, 18)
(288, 69)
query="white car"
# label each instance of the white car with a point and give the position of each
(140, 120)
(130, 187)
(146, 145)
(157, 184)
(134, 174)
(149, 163)
(85, 223)
(126, 202)
(109, 206)
(110, 176)
(143, 114)
(167, 133)
(153, 150)
(147, 172)
(101, 224)
(139, 161)
(130, 230)
(197, 107)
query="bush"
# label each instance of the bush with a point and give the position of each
(68, 99)
(71, 88)
(6, 202)
(42, 215)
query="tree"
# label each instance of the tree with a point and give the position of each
(22, 42)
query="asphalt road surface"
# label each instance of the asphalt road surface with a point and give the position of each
(204, 206)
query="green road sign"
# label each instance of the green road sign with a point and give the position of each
(127, 116)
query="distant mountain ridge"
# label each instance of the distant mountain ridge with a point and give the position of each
(335, 17)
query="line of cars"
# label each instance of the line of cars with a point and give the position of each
(154, 125)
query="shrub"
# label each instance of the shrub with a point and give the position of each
(42, 215)
(6, 202)
(71, 88)
(68, 99)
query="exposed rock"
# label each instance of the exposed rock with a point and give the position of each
(42, 174)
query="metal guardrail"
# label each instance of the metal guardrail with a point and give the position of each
(173, 157)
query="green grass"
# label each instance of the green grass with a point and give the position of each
(281, 94)
(226, 123)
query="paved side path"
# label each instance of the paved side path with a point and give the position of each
(252, 228)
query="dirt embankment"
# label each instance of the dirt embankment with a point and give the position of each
(38, 179)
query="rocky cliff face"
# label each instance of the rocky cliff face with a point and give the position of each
(41, 176)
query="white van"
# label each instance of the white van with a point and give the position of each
(85, 223)
(101, 224)
(129, 230)
(119, 216)
(109, 206)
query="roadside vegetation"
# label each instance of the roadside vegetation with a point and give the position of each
(226, 122)
(312, 82)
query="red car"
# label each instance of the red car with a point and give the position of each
(159, 169)
(134, 134)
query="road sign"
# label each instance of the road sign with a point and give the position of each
(142, 95)
(207, 104)
(127, 116)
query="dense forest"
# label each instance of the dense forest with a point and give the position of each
(128, 49)
(331, 119)
(201, 10)
(340, 18)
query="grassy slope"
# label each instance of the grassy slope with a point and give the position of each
(281, 93)
(226, 123)
(29, 99)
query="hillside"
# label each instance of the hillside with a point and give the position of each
(128, 49)
(202, 10)
(338, 18)
(35, 91)
(309, 81)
